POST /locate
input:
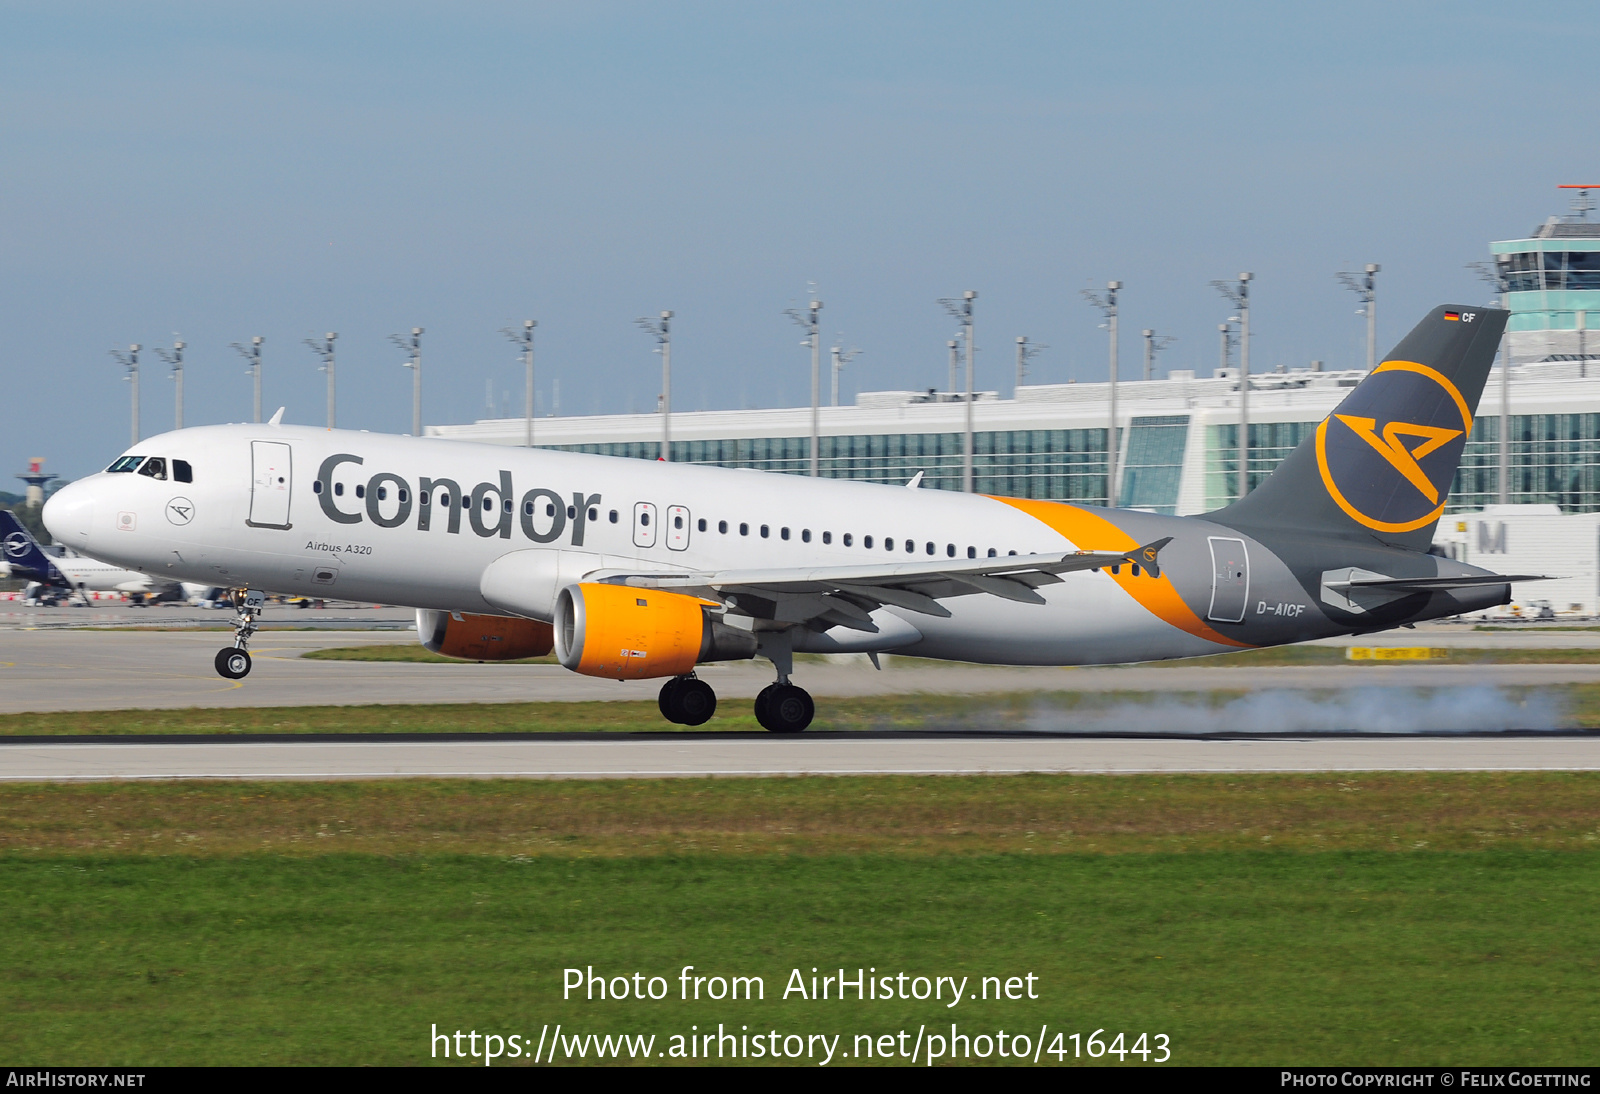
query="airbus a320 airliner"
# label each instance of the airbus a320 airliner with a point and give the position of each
(633, 569)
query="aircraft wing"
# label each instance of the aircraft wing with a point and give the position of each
(847, 595)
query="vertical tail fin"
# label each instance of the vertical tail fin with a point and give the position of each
(22, 551)
(1382, 463)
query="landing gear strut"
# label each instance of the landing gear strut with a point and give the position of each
(687, 700)
(233, 662)
(782, 707)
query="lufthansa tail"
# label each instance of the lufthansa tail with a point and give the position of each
(23, 554)
(1381, 465)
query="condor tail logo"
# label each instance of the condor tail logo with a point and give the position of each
(1380, 475)
(1403, 460)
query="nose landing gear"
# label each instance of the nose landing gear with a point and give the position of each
(233, 662)
(687, 700)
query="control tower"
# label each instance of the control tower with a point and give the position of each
(35, 477)
(1552, 286)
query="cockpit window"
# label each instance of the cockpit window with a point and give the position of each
(155, 467)
(181, 471)
(126, 463)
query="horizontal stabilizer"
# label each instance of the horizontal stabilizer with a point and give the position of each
(1429, 584)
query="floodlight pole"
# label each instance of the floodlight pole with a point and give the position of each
(816, 387)
(1152, 346)
(1490, 272)
(130, 361)
(252, 354)
(962, 310)
(413, 347)
(524, 338)
(1239, 295)
(661, 329)
(174, 357)
(1026, 351)
(841, 358)
(1108, 305)
(1365, 286)
(324, 349)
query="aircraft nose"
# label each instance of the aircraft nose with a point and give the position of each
(69, 514)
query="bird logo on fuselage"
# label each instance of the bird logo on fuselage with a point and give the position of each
(1389, 453)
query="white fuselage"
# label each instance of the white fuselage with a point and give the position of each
(318, 512)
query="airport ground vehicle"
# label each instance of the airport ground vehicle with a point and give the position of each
(636, 570)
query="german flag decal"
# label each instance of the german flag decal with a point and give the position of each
(1453, 315)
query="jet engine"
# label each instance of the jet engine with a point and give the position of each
(482, 637)
(624, 633)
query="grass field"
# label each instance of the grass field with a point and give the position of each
(1417, 919)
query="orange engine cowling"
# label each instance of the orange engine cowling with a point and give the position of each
(483, 637)
(624, 633)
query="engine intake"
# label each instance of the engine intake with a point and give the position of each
(483, 637)
(623, 633)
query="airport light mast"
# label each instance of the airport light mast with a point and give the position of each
(1107, 303)
(1365, 286)
(324, 349)
(1154, 344)
(661, 331)
(1489, 272)
(524, 338)
(174, 357)
(413, 348)
(1026, 351)
(811, 321)
(130, 361)
(1239, 295)
(841, 358)
(252, 354)
(961, 310)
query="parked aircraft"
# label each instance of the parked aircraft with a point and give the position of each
(634, 569)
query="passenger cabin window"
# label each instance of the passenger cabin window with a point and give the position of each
(765, 531)
(181, 471)
(783, 533)
(848, 539)
(702, 524)
(155, 467)
(722, 526)
(866, 541)
(126, 463)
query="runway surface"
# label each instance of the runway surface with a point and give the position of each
(729, 755)
(52, 670)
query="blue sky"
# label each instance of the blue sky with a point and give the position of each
(227, 170)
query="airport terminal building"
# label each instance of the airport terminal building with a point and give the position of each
(1178, 438)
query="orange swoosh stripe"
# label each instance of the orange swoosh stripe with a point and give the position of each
(1094, 533)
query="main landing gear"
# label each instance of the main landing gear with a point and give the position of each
(782, 707)
(233, 662)
(687, 700)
